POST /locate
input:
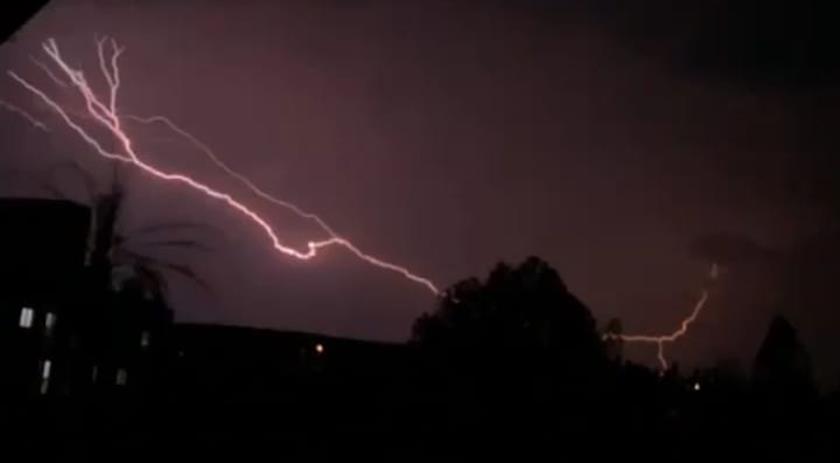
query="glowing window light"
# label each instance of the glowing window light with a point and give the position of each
(49, 322)
(122, 377)
(26, 317)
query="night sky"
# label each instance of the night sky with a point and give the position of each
(628, 146)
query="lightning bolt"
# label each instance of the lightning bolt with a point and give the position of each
(105, 114)
(661, 340)
(29, 117)
(275, 200)
(48, 72)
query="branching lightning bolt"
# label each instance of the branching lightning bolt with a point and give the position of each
(277, 201)
(661, 340)
(105, 113)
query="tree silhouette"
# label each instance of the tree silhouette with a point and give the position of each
(116, 254)
(120, 259)
(517, 347)
(127, 319)
(521, 317)
(614, 345)
(782, 375)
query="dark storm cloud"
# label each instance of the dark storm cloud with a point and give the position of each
(783, 49)
(791, 44)
(729, 249)
(787, 44)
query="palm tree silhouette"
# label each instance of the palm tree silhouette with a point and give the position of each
(119, 258)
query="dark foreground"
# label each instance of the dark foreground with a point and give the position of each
(252, 395)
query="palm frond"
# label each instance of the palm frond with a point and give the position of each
(143, 261)
(155, 277)
(55, 192)
(183, 244)
(171, 226)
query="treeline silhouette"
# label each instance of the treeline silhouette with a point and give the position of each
(523, 360)
(510, 366)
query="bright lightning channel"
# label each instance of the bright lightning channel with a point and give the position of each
(661, 340)
(106, 115)
(275, 200)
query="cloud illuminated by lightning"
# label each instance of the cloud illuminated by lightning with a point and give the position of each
(661, 340)
(105, 114)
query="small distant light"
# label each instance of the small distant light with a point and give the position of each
(319, 348)
(696, 386)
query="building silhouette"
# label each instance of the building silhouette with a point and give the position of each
(63, 330)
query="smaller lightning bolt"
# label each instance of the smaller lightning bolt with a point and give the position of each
(661, 340)
(111, 75)
(29, 117)
(49, 72)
